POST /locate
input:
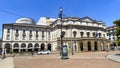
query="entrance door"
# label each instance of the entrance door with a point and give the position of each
(8, 47)
(49, 46)
(81, 46)
(95, 46)
(42, 46)
(89, 46)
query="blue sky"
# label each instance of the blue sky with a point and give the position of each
(105, 10)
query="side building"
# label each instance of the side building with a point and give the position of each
(112, 37)
(81, 34)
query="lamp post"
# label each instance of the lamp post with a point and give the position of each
(71, 39)
(64, 51)
(60, 16)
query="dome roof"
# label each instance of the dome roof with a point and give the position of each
(25, 21)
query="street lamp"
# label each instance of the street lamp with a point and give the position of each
(64, 51)
(60, 16)
(71, 39)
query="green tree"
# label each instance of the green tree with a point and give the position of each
(117, 23)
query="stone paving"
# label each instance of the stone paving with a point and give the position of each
(7, 62)
(78, 60)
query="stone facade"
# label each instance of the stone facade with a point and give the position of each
(81, 34)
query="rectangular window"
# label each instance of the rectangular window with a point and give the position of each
(8, 37)
(16, 31)
(8, 30)
(30, 31)
(36, 32)
(23, 31)
(16, 37)
(30, 37)
(23, 37)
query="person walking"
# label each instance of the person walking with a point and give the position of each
(4, 53)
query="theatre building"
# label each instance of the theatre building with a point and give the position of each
(81, 34)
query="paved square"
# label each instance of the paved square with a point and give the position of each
(79, 60)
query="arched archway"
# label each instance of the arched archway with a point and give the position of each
(16, 48)
(49, 47)
(8, 47)
(23, 46)
(42, 46)
(95, 46)
(81, 46)
(30, 47)
(89, 46)
(36, 47)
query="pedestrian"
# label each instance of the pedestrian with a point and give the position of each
(0, 52)
(32, 52)
(4, 53)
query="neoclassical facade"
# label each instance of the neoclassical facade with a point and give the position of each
(81, 34)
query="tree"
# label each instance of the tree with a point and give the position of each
(117, 23)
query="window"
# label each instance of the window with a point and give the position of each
(8, 37)
(23, 31)
(36, 32)
(30, 37)
(88, 34)
(93, 34)
(74, 33)
(16, 31)
(42, 35)
(49, 32)
(23, 37)
(81, 33)
(8, 30)
(30, 31)
(49, 35)
(36, 37)
(114, 38)
(104, 35)
(107, 34)
(16, 37)
(99, 34)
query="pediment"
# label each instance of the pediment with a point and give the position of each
(87, 19)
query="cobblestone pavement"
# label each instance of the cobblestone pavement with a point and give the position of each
(78, 60)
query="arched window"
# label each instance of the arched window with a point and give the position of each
(30, 45)
(74, 33)
(63, 33)
(93, 34)
(99, 34)
(81, 33)
(23, 45)
(88, 34)
(16, 45)
(36, 45)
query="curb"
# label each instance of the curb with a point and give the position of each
(113, 58)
